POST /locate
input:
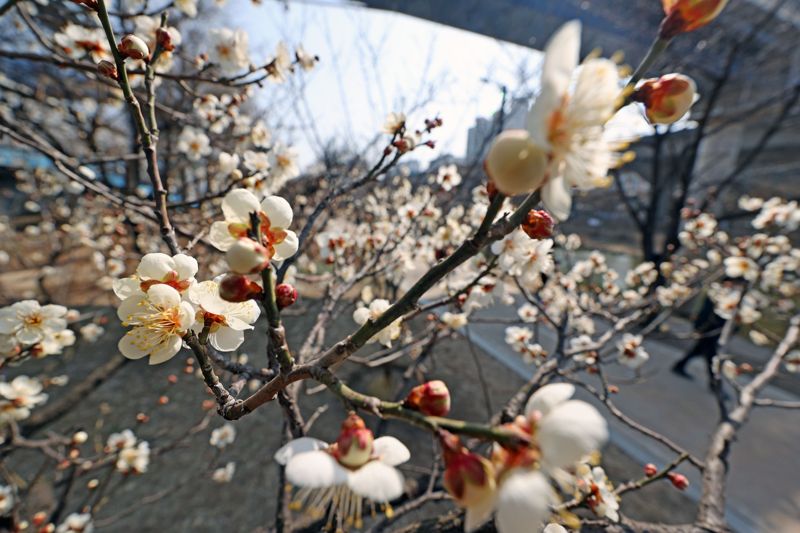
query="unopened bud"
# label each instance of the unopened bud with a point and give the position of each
(679, 481)
(538, 224)
(165, 37)
(468, 477)
(354, 445)
(688, 15)
(133, 47)
(666, 99)
(247, 257)
(515, 164)
(80, 437)
(285, 295)
(107, 69)
(237, 288)
(431, 398)
(39, 519)
(650, 470)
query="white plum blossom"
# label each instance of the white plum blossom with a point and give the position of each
(448, 177)
(376, 308)
(159, 319)
(7, 499)
(528, 313)
(134, 459)
(187, 7)
(337, 478)
(228, 50)
(394, 122)
(454, 320)
(156, 268)
(123, 439)
(194, 143)
(29, 322)
(78, 42)
(225, 473)
(275, 215)
(631, 352)
(791, 361)
(227, 321)
(19, 396)
(741, 267)
(222, 436)
(280, 66)
(569, 124)
(597, 491)
(76, 523)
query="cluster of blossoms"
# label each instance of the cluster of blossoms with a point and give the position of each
(18, 397)
(28, 328)
(132, 455)
(558, 435)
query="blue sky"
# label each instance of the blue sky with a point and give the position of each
(374, 62)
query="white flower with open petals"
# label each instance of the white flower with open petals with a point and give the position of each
(177, 271)
(631, 352)
(7, 499)
(159, 319)
(194, 143)
(30, 322)
(275, 215)
(569, 125)
(373, 312)
(566, 429)
(134, 459)
(19, 396)
(228, 49)
(227, 321)
(223, 435)
(337, 478)
(76, 523)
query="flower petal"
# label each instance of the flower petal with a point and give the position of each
(278, 211)
(131, 307)
(163, 296)
(136, 343)
(376, 481)
(166, 350)
(297, 446)
(219, 236)
(524, 502)
(155, 266)
(238, 204)
(478, 514)
(315, 469)
(557, 197)
(390, 451)
(126, 287)
(185, 266)
(570, 431)
(287, 247)
(226, 339)
(549, 396)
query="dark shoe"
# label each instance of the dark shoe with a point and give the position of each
(680, 370)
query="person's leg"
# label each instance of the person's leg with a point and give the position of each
(680, 366)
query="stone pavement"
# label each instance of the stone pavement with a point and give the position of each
(764, 483)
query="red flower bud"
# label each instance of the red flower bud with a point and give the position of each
(237, 288)
(285, 295)
(133, 47)
(679, 481)
(688, 15)
(468, 477)
(431, 398)
(164, 39)
(538, 224)
(666, 99)
(650, 470)
(107, 69)
(353, 448)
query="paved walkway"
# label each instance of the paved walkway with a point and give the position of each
(764, 484)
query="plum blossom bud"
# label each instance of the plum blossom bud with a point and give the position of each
(431, 398)
(165, 37)
(80, 437)
(515, 163)
(468, 477)
(354, 445)
(679, 481)
(237, 288)
(650, 470)
(538, 224)
(107, 69)
(246, 256)
(134, 47)
(666, 99)
(285, 295)
(688, 15)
